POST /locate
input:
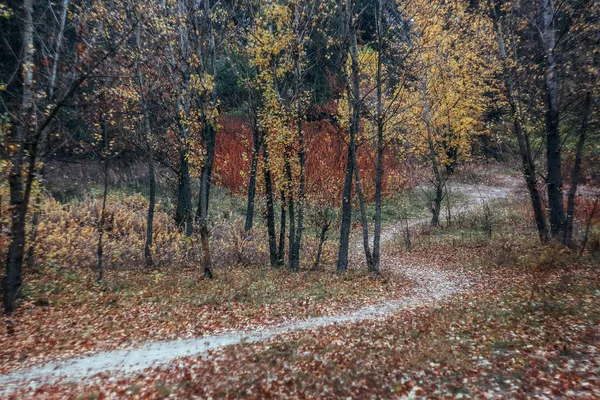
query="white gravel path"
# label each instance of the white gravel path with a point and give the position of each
(431, 285)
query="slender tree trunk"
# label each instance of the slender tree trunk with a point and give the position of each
(302, 158)
(273, 255)
(379, 166)
(292, 215)
(553, 142)
(252, 183)
(210, 142)
(354, 110)
(576, 174)
(12, 281)
(435, 163)
(322, 238)
(205, 176)
(437, 202)
(299, 228)
(281, 248)
(147, 139)
(346, 222)
(527, 163)
(204, 197)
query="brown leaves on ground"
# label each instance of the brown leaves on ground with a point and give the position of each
(510, 339)
(65, 313)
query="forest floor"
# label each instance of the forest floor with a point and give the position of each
(442, 323)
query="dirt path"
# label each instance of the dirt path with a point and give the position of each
(431, 285)
(476, 196)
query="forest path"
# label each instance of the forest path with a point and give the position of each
(431, 286)
(475, 197)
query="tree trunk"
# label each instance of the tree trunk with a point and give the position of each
(298, 240)
(252, 183)
(12, 281)
(270, 208)
(322, 238)
(553, 142)
(292, 215)
(281, 248)
(363, 216)
(210, 142)
(354, 109)
(346, 222)
(437, 203)
(202, 213)
(435, 163)
(376, 259)
(527, 163)
(147, 139)
(575, 176)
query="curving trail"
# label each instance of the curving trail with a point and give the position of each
(431, 285)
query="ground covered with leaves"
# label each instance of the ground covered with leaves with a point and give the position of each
(517, 334)
(66, 313)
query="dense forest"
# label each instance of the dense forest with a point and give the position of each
(179, 150)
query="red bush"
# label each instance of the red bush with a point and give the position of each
(326, 153)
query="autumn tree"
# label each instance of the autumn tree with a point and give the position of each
(549, 65)
(26, 81)
(451, 74)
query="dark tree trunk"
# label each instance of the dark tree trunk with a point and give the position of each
(352, 88)
(322, 238)
(376, 259)
(576, 174)
(342, 264)
(553, 142)
(204, 197)
(12, 281)
(252, 183)
(147, 140)
(292, 216)
(363, 215)
(210, 143)
(437, 203)
(527, 163)
(281, 248)
(270, 208)
(205, 175)
(295, 257)
(299, 227)
(439, 180)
